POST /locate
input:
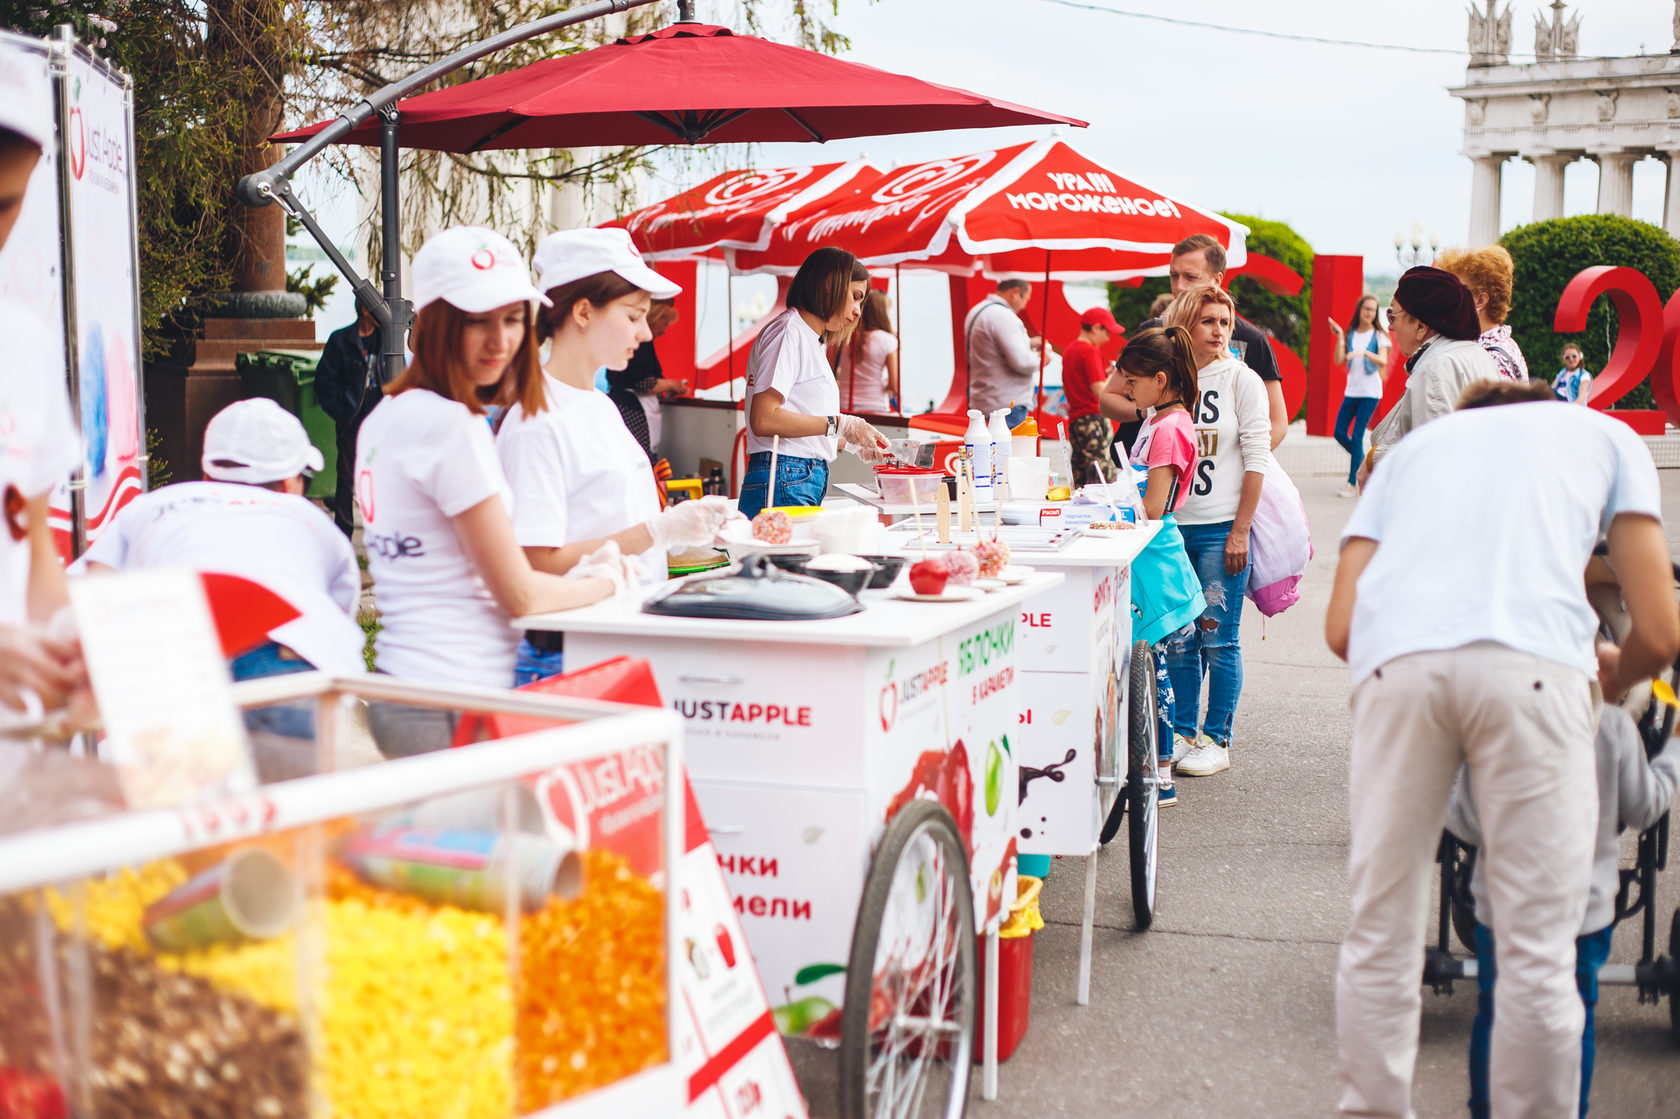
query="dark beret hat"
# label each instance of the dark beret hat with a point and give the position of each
(1440, 301)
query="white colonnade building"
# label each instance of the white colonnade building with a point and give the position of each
(1561, 108)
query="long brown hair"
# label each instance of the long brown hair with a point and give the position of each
(1163, 349)
(823, 284)
(437, 365)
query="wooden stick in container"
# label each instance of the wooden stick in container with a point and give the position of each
(942, 512)
(916, 508)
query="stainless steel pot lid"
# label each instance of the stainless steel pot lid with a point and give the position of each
(757, 591)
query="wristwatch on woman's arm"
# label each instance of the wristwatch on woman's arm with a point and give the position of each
(833, 425)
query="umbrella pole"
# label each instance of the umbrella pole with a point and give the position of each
(729, 322)
(898, 316)
(1044, 343)
(390, 263)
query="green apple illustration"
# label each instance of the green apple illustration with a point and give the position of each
(797, 1017)
(994, 778)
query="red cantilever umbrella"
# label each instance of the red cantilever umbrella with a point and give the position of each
(688, 83)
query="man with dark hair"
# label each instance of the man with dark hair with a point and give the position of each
(348, 385)
(1462, 614)
(1200, 259)
(1002, 359)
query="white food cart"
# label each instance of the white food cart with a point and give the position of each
(857, 778)
(1087, 734)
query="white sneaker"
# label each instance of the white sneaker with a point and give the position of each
(1205, 760)
(1348, 491)
(1181, 747)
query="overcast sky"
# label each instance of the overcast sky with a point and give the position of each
(1347, 144)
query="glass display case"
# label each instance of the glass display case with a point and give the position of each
(481, 933)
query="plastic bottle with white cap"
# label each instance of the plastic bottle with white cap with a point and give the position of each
(1001, 446)
(977, 447)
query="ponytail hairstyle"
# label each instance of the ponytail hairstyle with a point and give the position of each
(1163, 349)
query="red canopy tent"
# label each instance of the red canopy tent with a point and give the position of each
(735, 210)
(687, 83)
(1018, 211)
(1040, 211)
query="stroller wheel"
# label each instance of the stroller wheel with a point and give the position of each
(1674, 977)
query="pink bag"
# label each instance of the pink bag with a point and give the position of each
(1279, 544)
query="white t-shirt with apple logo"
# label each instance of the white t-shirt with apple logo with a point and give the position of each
(422, 459)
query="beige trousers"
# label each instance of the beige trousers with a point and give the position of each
(1525, 726)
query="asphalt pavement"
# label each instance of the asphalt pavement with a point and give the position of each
(1224, 1007)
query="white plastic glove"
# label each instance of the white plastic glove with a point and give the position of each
(865, 442)
(605, 562)
(691, 524)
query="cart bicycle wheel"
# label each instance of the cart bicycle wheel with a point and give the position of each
(907, 1028)
(1142, 785)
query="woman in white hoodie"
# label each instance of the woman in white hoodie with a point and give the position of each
(1233, 432)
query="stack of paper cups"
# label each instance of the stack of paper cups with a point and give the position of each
(250, 896)
(471, 869)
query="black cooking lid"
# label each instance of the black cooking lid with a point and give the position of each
(758, 591)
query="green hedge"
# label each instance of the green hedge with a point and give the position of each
(1548, 254)
(1285, 316)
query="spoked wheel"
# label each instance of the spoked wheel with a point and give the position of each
(1463, 905)
(1142, 785)
(907, 1028)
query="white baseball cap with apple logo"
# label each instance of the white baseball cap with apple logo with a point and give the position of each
(472, 269)
(572, 254)
(26, 97)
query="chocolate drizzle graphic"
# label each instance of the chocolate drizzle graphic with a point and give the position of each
(1053, 771)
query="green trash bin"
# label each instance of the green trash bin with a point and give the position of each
(287, 377)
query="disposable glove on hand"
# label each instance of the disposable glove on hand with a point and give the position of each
(605, 562)
(867, 443)
(692, 524)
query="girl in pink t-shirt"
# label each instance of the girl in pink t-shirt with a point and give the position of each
(1159, 373)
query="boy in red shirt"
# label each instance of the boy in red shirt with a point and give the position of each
(1084, 372)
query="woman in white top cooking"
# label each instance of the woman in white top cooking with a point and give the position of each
(791, 391)
(579, 478)
(447, 569)
(1234, 436)
(1364, 347)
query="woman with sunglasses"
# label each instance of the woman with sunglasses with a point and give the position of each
(1432, 318)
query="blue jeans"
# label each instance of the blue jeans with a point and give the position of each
(799, 481)
(1165, 699)
(1211, 644)
(534, 664)
(1351, 419)
(1591, 951)
(293, 720)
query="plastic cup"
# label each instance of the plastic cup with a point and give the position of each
(1029, 478)
(250, 896)
(469, 869)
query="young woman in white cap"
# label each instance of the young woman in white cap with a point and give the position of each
(39, 660)
(791, 390)
(447, 569)
(580, 479)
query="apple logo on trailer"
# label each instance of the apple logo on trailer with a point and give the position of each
(75, 136)
(568, 820)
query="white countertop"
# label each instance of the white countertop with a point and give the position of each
(886, 622)
(1093, 549)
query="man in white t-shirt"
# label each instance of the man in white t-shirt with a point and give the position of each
(39, 447)
(1002, 359)
(1463, 617)
(251, 519)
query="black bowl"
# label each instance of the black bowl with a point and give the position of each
(849, 581)
(794, 563)
(886, 570)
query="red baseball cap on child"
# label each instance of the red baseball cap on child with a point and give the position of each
(1101, 316)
